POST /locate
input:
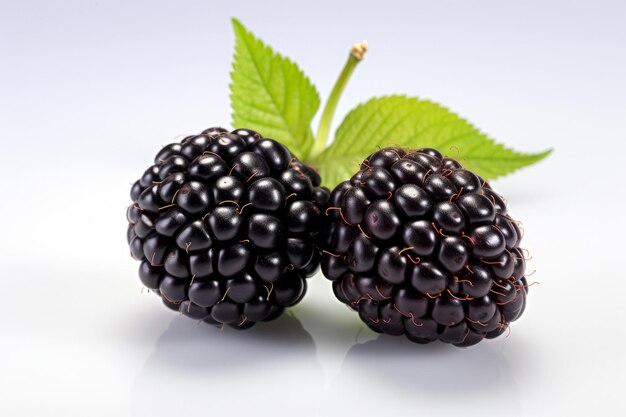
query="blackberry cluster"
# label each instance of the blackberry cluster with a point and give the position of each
(225, 225)
(422, 247)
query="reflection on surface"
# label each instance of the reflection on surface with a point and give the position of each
(197, 367)
(390, 372)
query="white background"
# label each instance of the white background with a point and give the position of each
(91, 90)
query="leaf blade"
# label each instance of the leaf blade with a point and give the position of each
(270, 93)
(413, 123)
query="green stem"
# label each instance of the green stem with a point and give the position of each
(356, 55)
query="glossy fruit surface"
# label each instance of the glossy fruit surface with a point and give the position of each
(422, 247)
(226, 227)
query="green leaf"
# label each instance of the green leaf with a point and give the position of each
(271, 94)
(413, 123)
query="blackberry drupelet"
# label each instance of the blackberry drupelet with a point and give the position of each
(421, 247)
(226, 227)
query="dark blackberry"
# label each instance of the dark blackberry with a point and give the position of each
(226, 227)
(422, 247)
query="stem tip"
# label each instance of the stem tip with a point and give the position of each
(359, 50)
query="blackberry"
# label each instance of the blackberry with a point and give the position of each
(225, 225)
(421, 247)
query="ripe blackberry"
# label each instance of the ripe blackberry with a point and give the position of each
(225, 225)
(422, 247)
